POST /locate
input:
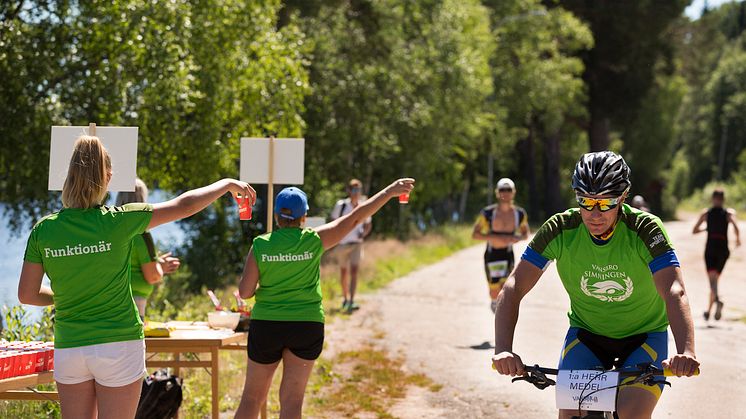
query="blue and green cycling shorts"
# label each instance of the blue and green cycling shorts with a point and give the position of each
(584, 350)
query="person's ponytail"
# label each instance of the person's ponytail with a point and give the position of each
(88, 174)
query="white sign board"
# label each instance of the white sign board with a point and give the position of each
(313, 222)
(288, 159)
(120, 142)
(571, 384)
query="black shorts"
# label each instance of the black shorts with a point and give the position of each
(498, 264)
(715, 257)
(268, 338)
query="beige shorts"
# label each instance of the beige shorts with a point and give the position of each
(350, 253)
(114, 364)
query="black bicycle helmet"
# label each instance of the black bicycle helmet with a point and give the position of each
(601, 173)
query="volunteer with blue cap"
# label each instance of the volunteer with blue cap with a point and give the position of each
(287, 321)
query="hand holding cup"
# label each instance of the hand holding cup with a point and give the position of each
(401, 187)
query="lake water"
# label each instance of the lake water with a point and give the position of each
(13, 247)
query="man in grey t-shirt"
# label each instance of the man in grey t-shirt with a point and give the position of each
(349, 251)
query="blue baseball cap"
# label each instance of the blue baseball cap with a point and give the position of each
(292, 199)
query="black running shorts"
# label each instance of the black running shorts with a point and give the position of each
(715, 257)
(498, 264)
(269, 338)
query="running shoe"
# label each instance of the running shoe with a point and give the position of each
(718, 310)
(352, 306)
(345, 305)
(707, 315)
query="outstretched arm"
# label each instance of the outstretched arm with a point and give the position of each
(521, 281)
(732, 220)
(194, 201)
(698, 227)
(670, 286)
(331, 233)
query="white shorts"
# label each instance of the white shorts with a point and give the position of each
(114, 364)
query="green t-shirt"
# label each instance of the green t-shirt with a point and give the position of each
(611, 287)
(289, 285)
(143, 251)
(86, 255)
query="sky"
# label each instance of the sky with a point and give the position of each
(695, 9)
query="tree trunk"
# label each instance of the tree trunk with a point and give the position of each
(598, 130)
(464, 199)
(529, 172)
(552, 179)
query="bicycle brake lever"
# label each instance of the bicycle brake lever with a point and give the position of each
(664, 382)
(539, 382)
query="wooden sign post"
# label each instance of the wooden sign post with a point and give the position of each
(271, 186)
(120, 143)
(272, 160)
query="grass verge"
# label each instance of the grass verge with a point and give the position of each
(359, 382)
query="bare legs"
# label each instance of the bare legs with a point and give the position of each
(88, 400)
(349, 288)
(292, 388)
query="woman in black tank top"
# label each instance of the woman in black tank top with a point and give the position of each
(717, 226)
(716, 249)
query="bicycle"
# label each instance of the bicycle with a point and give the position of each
(645, 373)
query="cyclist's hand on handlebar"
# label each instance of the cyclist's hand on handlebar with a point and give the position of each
(682, 365)
(508, 363)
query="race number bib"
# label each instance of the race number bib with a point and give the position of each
(498, 269)
(590, 386)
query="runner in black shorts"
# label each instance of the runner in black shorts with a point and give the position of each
(500, 225)
(716, 249)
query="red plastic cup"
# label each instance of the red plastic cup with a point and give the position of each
(404, 198)
(50, 355)
(244, 207)
(40, 363)
(4, 365)
(16, 360)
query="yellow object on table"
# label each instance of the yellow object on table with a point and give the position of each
(157, 330)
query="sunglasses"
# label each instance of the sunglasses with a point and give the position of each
(604, 204)
(355, 190)
(505, 190)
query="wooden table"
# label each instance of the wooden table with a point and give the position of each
(195, 337)
(12, 388)
(187, 338)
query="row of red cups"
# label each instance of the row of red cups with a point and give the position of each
(23, 358)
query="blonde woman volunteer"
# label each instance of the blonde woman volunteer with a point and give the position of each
(147, 268)
(287, 323)
(85, 251)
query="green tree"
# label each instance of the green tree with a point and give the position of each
(620, 69)
(710, 126)
(399, 88)
(537, 80)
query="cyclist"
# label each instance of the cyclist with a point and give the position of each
(500, 225)
(623, 279)
(716, 249)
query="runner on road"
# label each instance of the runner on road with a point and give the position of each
(500, 225)
(623, 279)
(716, 249)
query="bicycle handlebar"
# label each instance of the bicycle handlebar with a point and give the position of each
(666, 372)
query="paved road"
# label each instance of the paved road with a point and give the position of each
(439, 318)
